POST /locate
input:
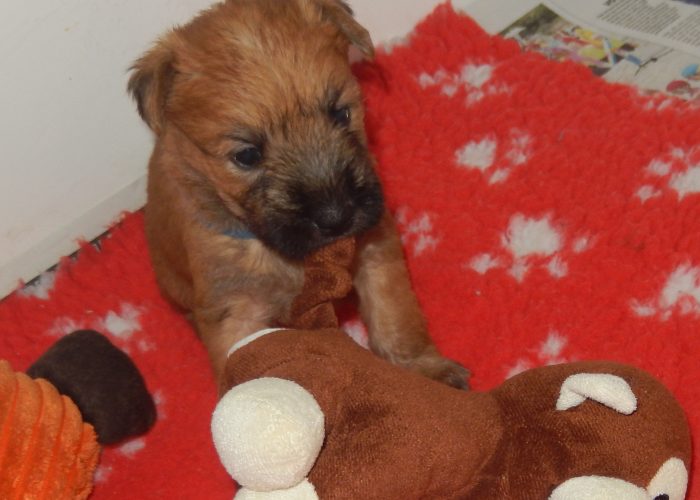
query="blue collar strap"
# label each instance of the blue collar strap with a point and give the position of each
(238, 233)
(241, 233)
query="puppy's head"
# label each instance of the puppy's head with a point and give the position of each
(263, 91)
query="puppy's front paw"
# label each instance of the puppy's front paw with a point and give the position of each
(436, 367)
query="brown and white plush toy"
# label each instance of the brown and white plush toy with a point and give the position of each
(310, 414)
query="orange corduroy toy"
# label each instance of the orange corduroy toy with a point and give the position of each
(49, 444)
(47, 451)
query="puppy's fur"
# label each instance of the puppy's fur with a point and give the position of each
(260, 158)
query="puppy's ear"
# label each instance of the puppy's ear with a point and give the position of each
(150, 82)
(340, 13)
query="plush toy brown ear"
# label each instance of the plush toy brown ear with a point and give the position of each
(588, 430)
(150, 82)
(102, 381)
(340, 14)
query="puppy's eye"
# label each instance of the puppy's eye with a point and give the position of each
(341, 116)
(248, 158)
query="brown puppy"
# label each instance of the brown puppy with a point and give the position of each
(261, 158)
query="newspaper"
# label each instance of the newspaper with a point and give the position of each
(654, 45)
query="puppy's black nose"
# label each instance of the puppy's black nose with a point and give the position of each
(333, 219)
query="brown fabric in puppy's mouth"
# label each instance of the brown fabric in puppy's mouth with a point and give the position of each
(326, 278)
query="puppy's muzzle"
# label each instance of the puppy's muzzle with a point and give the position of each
(333, 218)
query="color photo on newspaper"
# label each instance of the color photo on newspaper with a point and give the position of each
(649, 66)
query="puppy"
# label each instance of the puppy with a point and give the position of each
(261, 158)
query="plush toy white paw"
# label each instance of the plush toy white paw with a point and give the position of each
(268, 433)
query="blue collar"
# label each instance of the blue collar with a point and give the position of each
(239, 233)
(242, 233)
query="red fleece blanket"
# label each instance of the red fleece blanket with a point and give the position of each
(547, 216)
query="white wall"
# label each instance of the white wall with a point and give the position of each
(72, 149)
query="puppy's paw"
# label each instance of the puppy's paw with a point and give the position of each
(436, 367)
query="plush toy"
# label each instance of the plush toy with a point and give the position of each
(310, 414)
(50, 442)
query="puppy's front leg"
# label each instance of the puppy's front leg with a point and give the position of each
(221, 326)
(389, 308)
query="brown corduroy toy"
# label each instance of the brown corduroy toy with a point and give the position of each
(311, 414)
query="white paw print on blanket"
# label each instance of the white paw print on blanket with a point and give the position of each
(130, 450)
(529, 241)
(41, 288)
(123, 325)
(680, 293)
(474, 78)
(549, 352)
(417, 231)
(679, 170)
(494, 159)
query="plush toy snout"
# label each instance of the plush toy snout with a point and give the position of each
(268, 433)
